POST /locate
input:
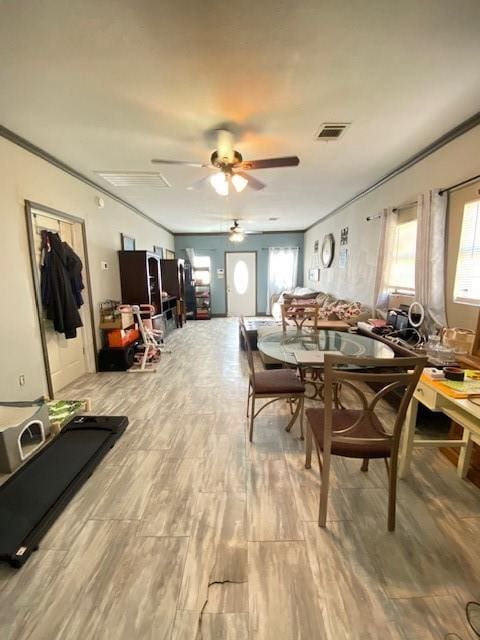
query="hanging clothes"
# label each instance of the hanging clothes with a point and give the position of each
(61, 284)
(74, 267)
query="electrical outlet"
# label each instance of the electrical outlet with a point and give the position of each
(21, 379)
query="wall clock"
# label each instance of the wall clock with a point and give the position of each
(328, 246)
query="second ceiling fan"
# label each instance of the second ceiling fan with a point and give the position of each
(231, 167)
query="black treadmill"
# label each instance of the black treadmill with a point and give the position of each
(34, 496)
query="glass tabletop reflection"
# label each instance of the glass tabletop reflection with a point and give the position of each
(281, 345)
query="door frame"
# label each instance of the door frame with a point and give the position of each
(30, 208)
(255, 252)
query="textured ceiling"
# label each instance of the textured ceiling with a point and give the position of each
(106, 86)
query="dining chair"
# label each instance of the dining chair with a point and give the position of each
(361, 433)
(271, 385)
(300, 316)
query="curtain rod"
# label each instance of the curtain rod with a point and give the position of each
(407, 205)
(442, 191)
(459, 184)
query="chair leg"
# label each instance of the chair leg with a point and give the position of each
(392, 493)
(308, 447)
(294, 416)
(252, 416)
(248, 398)
(365, 465)
(325, 476)
(302, 411)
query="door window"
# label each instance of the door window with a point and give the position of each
(240, 277)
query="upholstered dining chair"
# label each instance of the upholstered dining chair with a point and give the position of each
(271, 385)
(302, 316)
(361, 433)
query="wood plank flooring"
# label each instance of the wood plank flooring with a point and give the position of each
(188, 532)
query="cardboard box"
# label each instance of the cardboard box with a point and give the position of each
(124, 321)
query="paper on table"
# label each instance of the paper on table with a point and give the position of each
(312, 357)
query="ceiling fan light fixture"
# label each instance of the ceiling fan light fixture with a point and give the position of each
(239, 182)
(220, 183)
(236, 236)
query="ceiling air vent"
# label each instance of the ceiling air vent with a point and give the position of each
(331, 131)
(135, 179)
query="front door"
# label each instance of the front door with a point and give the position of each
(66, 358)
(241, 283)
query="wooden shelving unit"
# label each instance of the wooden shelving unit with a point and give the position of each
(201, 277)
(141, 283)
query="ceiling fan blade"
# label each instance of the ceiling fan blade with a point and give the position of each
(253, 183)
(199, 184)
(181, 162)
(268, 163)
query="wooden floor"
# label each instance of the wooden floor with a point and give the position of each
(187, 532)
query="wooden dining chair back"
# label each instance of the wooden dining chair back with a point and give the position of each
(361, 433)
(302, 317)
(271, 385)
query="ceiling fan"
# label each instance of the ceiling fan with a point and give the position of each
(236, 233)
(231, 167)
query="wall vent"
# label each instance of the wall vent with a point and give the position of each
(135, 179)
(331, 131)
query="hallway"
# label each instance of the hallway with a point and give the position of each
(188, 532)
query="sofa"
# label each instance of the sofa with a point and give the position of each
(331, 307)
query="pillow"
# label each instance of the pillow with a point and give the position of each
(328, 312)
(349, 310)
(328, 300)
(321, 297)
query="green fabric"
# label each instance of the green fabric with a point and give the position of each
(62, 410)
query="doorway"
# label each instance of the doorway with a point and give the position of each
(241, 283)
(65, 360)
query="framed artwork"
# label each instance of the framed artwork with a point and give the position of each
(169, 255)
(158, 251)
(128, 244)
(343, 257)
(314, 275)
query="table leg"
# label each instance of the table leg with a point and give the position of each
(465, 454)
(408, 438)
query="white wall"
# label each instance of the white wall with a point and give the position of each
(27, 177)
(452, 163)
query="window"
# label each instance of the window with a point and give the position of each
(467, 277)
(201, 269)
(402, 267)
(201, 261)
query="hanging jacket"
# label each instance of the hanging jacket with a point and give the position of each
(56, 287)
(74, 267)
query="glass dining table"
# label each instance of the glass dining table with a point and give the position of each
(287, 347)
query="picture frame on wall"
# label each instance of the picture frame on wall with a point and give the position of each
(128, 244)
(169, 255)
(158, 251)
(314, 275)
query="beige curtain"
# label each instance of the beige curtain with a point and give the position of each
(430, 257)
(385, 254)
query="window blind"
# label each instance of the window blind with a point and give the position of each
(402, 267)
(467, 277)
